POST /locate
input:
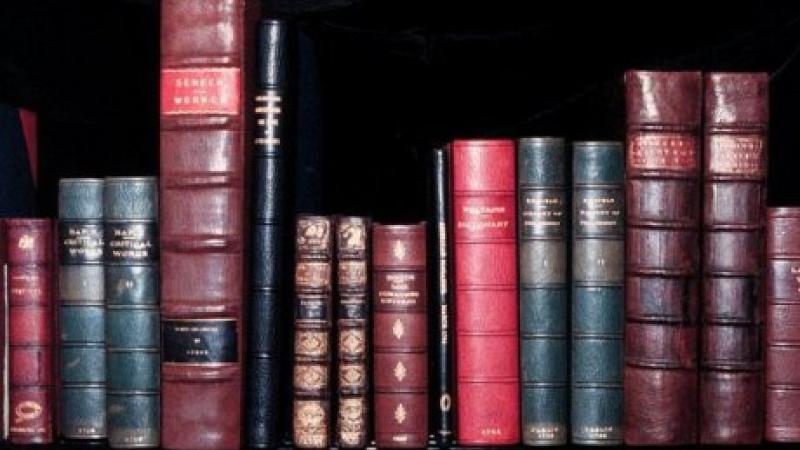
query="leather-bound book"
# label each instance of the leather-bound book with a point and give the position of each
(441, 338)
(352, 253)
(30, 255)
(400, 335)
(543, 293)
(782, 349)
(313, 281)
(268, 293)
(82, 306)
(735, 165)
(598, 301)
(485, 287)
(133, 338)
(205, 133)
(662, 257)
(4, 388)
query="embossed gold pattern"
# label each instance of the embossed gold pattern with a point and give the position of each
(352, 412)
(310, 424)
(399, 250)
(398, 329)
(352, 375)
(351, 341)
(400, 413)
(311, 343)
(310, 377)
(400, 371)
(352, 236)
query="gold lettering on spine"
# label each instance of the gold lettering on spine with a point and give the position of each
(268, 111)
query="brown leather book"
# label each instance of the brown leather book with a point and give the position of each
(352, 253)
(782, 354)
(312, 331)
(206, 65)
(400, 334)
(735, 166)
(662, 257)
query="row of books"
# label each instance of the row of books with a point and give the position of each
(507, 366)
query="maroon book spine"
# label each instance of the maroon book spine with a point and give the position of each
(782, 349)
(735, 161)
(400, 335)
(662, 257)
(206, 67)
(29, 249)
(486, 303)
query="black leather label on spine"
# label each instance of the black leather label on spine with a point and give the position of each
(353, 309)
(209, 341)
(80, 242)
(542, 212)
(599, 211)
(132, 241)
(312, 308)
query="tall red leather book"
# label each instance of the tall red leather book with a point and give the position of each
(782, 349)
(400, 335)
(29, 247)
(735, 163)
(485, 280)
(205, 67)
(662, 257)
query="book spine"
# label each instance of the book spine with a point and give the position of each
(736, 116)
(782, 349)
(4, 336)
(312, 331)
(662, 257)
(204, 136)
(82, 306)
(29, 245)
(352, 250)
(543, 295)
(267, 288)
(400, 335)
(133, 338)
(485, 279)
(598, 302)
(441, 339)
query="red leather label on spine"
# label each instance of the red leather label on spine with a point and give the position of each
(736, 154)
(671, 151)
(200, 91)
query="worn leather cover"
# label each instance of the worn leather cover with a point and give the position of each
(543, 214)
(782, 349)
(441, 336)
(735, 162)
(662, 257)
(598, 302)
(400, 299)
(485, 287)
(313, 282)
(133, 339)
(268, 292)
(29, 247)
(352, 302)
(82, 306)
(205, 72)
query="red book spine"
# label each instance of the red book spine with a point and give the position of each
(662, 257)
(485, 279)
(29, 247)
(735, 161)
(205, 69)
(782, 350)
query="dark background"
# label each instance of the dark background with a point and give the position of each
(380, 82)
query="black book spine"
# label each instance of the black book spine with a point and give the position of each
(267, 289)
(440, 241)
(82, 308)
(598, 303)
